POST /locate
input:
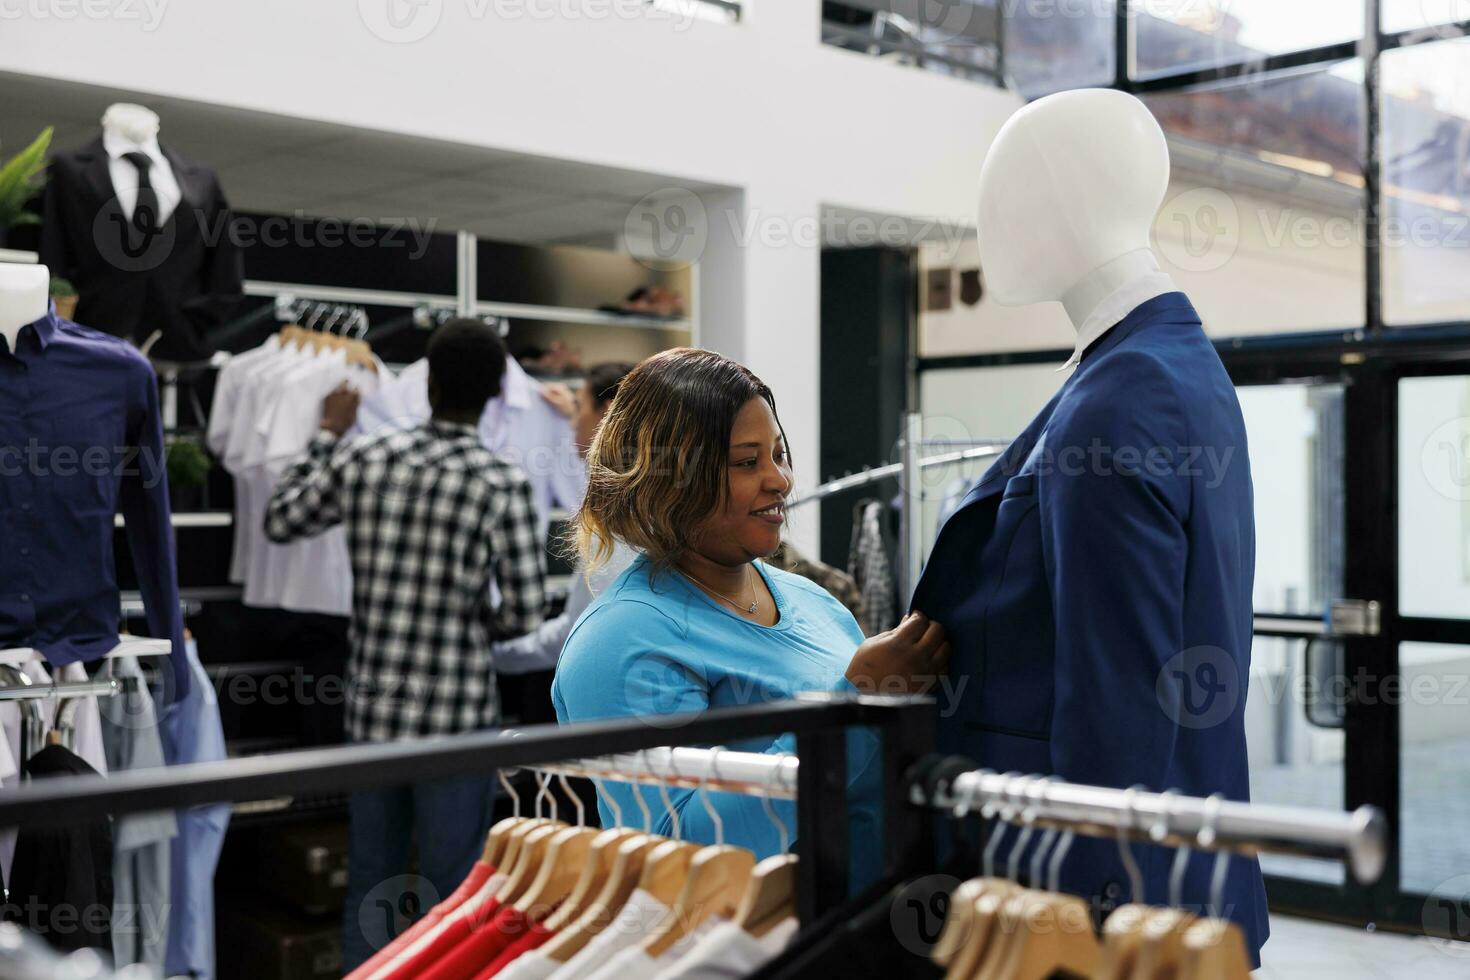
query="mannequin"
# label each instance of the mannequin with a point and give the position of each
(1097, 579)
(24, 298)
(171, 269)
(1082, 235)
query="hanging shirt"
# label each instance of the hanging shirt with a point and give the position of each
(534, 965)
(518, 425)
(536, 937)
(80, 440)
(482, 947)
(479, 874)
(728, 952)
(636, 920)
(634, 964)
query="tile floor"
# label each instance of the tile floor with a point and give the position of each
(1300, 949)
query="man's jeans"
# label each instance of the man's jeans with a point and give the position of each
(448, 821)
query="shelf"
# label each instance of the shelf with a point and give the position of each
(15, 255)
(568, 314)
(127, 646)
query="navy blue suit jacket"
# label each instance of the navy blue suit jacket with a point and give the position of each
(1096, 589)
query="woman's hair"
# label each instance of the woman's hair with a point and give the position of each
(658, 465)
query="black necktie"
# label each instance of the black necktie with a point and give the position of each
(145, 211)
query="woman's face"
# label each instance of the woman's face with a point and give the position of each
(749, 525)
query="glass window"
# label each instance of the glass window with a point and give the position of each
(1434, 497)
(1262, 223)
(1051, 45)
(1426, 182)
(1411, 15)
(1434, 731)
(1295, 433)
(1174, 37)
(1294, 762)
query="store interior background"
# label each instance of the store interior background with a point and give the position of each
(782, 117)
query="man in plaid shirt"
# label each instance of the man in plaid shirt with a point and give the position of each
(432, 516)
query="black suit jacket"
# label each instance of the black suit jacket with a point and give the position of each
(182, 281)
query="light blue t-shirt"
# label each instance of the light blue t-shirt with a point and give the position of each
(651, 646)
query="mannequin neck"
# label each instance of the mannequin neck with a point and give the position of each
(1092, 289)
(24, 298)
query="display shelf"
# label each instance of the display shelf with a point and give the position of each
(210, 518)
(568, 314)
(17, 255)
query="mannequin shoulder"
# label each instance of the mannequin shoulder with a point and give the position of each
(1125, 392)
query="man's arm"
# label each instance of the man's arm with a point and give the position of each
(308, 498)
(520, 563)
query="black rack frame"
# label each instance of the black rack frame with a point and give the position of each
(820, 723)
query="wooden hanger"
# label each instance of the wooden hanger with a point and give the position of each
(499, 836)
(1123, 930)
(527, 847)
(1161, 949)
(1214, 948)
(964, 938)
(568, 859)
(598, 913)
(1047, 933)
(718, 876)
(770, 896)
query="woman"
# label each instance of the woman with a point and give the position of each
(690, 469)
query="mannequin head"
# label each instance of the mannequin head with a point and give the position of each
(134, 123)
(24, 297)
(1071, 183)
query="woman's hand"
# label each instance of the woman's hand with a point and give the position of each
(908, 659)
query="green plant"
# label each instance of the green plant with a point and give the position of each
(188, 464)
(20, 178)
(62, 288)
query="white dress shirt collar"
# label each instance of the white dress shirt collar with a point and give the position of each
(1111, 311)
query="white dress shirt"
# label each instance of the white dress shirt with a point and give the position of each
(125, 176)
(518, 425)
(728, 952)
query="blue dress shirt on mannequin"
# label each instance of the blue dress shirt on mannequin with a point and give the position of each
(1096, 588)
(81, 440)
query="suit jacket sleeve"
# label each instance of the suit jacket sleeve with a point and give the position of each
(1113, 512)
(57, 254)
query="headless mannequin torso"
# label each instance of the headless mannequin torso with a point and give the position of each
(1068, 194)
(24, 298)
(129, 128)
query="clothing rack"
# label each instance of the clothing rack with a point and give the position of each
(1359, 838)
(819, 722)
(748, 773)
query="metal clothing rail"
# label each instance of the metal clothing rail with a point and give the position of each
(819, 722)
(748, 773)
(1359, 838)
(877, 474)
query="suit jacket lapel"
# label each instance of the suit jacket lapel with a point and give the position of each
(193, 181)
(1011, 461)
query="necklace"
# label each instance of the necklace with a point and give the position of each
(750, 609)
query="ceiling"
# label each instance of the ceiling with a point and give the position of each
(281, 164)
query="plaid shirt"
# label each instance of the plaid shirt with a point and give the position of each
(431, 516)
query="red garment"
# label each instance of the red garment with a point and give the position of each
(478, 875)
(457, 929)
(481, 947)
(538, 935)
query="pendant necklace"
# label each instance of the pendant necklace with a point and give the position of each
(750, 609)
